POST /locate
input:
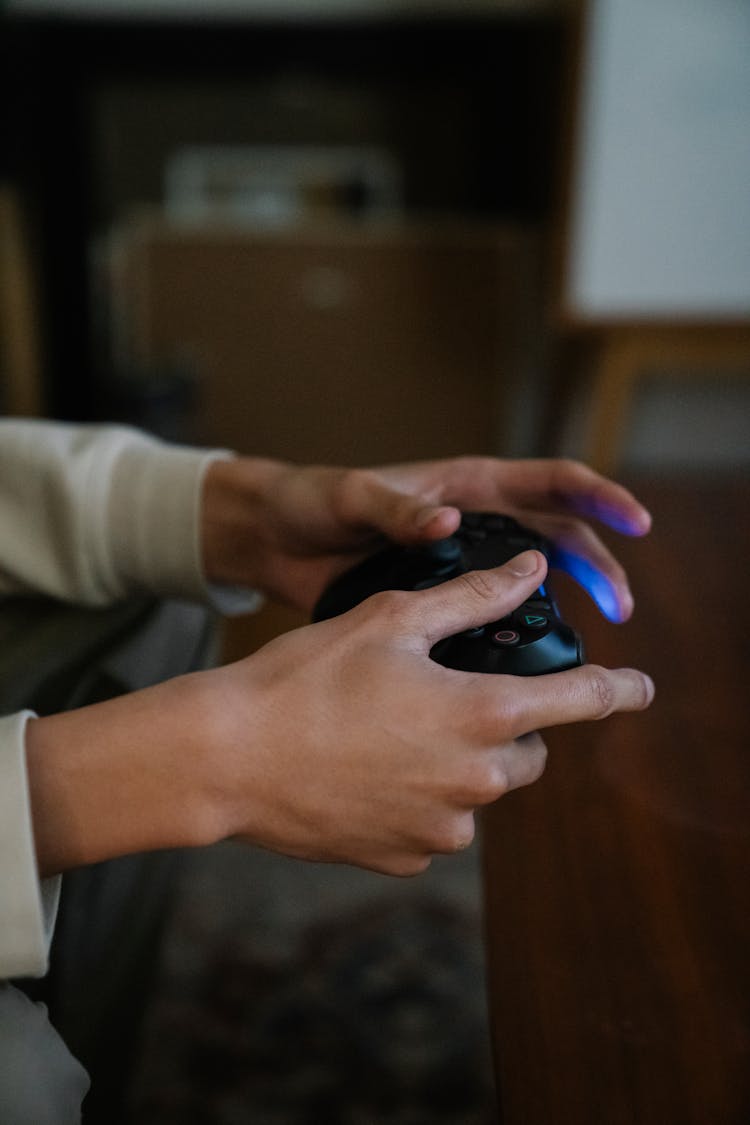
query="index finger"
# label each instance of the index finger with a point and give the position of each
(570, 486)
(577, 695)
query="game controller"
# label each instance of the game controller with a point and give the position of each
(530, 641)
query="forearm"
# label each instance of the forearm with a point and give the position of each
(91, 514)
(129, 775)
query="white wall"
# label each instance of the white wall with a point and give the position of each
(661, 200)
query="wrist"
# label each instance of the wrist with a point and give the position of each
(234, 516)
(132, 774)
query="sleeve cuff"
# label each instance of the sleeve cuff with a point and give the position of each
(154, 512)
(28, 905)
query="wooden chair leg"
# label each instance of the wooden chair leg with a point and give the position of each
(616, 359)
(571, 361)
(614, 381)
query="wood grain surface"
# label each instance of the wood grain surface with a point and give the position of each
(618, 887)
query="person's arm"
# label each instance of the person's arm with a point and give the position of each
(92, 514)
(341, 741)
(27, 909)
(89, 514)
(236, 751)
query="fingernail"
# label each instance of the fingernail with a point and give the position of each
(524, 564)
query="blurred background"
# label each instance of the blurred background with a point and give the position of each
(355, 232)
(240, 216)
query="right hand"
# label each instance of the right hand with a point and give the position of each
(345, 742)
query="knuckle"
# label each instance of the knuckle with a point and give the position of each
(473, 464)
(492, 716)
(602, 692)
(563, 525)
(536, 756)
(351, 485)
(354, 480)
(573, 467)
(388, 606)
(486, 782)
(568, 475)
(572, 471)
(479, 584)
(498, 782)
(542, 755)
(499, 718)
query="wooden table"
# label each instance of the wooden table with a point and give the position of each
(618, 887)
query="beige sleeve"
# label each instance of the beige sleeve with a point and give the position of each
(92, 513)
(28, 907)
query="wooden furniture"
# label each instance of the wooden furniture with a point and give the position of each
(342, 343)
(614, 361)
(618, 887)
(464, 100)
(652, 246)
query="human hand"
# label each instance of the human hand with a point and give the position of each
(349, 744)
(289, 530)
(342, 741)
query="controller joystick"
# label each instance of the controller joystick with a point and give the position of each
(443, 552)
(530, 641)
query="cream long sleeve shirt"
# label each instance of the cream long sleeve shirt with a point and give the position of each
(88, 514)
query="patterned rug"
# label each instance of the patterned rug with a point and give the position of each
(317, 996)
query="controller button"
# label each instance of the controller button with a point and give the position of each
(477, 631)
(535, 620)
(506, 637)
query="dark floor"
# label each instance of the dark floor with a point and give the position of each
(297, 994)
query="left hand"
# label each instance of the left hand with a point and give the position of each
(289, 530)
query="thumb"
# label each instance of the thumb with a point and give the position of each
(479, 596)
(404, 517)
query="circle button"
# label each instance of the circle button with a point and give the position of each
(506, 637)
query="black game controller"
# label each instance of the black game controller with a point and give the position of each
(528, 642)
